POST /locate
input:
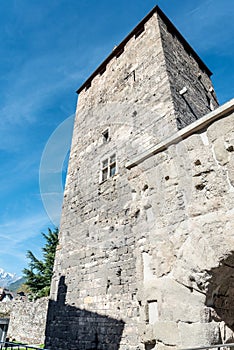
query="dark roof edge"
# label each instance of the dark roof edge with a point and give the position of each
(170, 27)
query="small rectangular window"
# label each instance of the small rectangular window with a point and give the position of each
(108, 167)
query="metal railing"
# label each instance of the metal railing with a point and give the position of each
(18, 346)
(226, 346)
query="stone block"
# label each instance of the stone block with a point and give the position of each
(198, 334)
(220, 152)
(230, 171)
(175, 301)
(166, 332)
(221, 128)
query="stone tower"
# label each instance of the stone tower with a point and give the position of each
(145, 202)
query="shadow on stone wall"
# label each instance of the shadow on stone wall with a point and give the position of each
(71, 328)
(220, 295)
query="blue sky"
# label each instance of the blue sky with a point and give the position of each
(48, 48)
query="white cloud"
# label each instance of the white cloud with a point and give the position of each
(19, 235)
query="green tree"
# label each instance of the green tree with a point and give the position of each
(38, 275)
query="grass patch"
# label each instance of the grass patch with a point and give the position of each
(20, 346)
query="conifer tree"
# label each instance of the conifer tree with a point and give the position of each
(38, 275)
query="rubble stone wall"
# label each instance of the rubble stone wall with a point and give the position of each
(27, 320)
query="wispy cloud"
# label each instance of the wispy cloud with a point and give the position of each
(17, 236)
(204, 24)
(29, 92)
(21, 229)
(200, 7)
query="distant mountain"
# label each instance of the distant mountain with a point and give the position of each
(14, 286)
(6, 278)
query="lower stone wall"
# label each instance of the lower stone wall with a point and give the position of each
(184, 235)
(27, 320)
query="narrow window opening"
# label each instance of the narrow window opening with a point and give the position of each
(131, 75)
(106, 136)
(139, 31)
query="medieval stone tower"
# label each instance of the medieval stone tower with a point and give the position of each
(144, 259)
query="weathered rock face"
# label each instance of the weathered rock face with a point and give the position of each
(139, 243)
(188, 238)
(27, 320)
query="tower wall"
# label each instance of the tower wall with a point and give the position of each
(96, 258)
(186, 71)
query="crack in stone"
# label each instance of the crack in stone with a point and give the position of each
(204, 172)
(166, 344)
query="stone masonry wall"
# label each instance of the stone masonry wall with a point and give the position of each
(97, 246)
(132, 95)
(155, 269)
(27, 320)
(96, 254)
(184, 71)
